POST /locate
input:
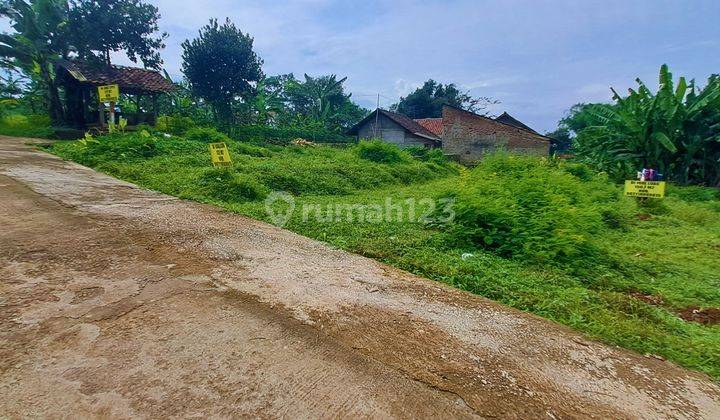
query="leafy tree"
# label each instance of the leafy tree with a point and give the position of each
(37, 44)
(428, 100)
(182, 103)
(561, 141)
(576, 119)
(323, 99)
(98, 27)
(267, 102)
(221, 67)
(579, 117)
(676, 131)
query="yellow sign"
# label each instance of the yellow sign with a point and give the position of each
(109, 93)
(220, 154)
(652, 189)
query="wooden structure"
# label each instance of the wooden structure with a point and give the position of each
(81, 79)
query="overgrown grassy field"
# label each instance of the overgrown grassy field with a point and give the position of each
(548, 237)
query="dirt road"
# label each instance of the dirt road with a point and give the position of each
(117, 301)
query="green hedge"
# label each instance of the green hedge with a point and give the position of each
(283, 136)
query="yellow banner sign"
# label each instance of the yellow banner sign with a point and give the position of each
(220, 155)
(109, 93)
(651, 189)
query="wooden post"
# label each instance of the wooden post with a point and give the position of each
(101, 110)
(112, 113)
(155, 108)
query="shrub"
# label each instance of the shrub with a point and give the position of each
(428, 155)
(580, 170)
(380, 152)
(26, 126)
(284, 135)
(693, 193)
(113, 147)
(206, 135)
(250, 149)
(532, 208)
(225, 184)
(173, 124)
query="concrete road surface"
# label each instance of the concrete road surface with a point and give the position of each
(121, 302)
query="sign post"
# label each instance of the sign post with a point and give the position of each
(220, 155)
(645, 189)
(109, 93)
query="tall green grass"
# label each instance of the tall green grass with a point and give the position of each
(37, 126)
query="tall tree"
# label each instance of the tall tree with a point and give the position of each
(98, 28)
(37, 44)
(428, 100)
(221, 67)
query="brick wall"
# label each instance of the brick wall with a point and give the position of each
(467, 137)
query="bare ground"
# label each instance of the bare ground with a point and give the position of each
(121, 302)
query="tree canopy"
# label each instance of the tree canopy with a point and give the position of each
(428, 100)
(221, 67)
(36, 44)
(96, 28)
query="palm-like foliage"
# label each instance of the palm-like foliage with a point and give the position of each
(37, 43)
(320, 96)
(676, 130)
(266, 103)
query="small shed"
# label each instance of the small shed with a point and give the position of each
(394, 128)
(80, 80)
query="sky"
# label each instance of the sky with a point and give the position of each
(536, 57)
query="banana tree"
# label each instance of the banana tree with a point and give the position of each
(37, 43)
(675, 130)
(320, 96)
(266, 103)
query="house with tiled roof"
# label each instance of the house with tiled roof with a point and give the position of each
(395, 128)
(462, 134)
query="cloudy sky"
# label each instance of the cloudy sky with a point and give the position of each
(537, 57)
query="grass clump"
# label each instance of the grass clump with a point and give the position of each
(225, 184)
(380, 152)
(206, 135)
(536, 210)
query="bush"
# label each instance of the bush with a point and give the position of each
(380, 152)
(534, 209)
(428, 155)
(113, 147)
(225, 184)
(26, 126)
(206, 135)
(174, 125)
(250, 149)
(693, 193)
(580, 170)
(283, 136)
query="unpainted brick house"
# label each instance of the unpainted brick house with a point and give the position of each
(462, 135)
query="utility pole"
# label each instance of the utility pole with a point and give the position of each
(377, 117)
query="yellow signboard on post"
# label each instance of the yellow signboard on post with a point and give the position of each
(220, 155)
(109, 93)
(650, 189)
